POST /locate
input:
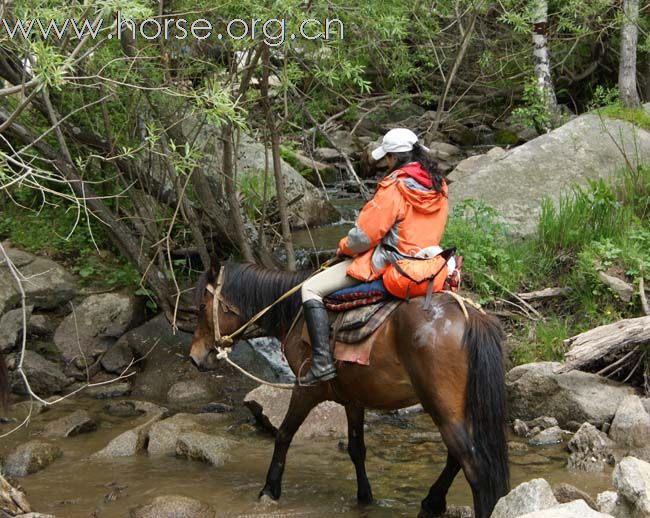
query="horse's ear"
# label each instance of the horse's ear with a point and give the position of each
(215, 266)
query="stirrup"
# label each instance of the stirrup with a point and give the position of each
(310, 379)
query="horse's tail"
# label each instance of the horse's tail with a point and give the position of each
(4, 383)
(486, 408)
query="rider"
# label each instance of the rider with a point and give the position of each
(408, 212)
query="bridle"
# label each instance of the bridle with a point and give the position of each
(217, 299)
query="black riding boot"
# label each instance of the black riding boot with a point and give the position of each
(322, 363)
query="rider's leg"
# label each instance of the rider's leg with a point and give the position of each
(313, 291)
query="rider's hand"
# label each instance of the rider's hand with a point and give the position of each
(340, 254)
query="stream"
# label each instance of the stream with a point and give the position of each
(404, 457)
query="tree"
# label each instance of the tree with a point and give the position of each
(627, 65)
(543, 61)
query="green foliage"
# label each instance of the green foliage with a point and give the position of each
(637, 116)
(534, 112)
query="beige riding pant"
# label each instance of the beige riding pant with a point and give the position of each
(328, 281)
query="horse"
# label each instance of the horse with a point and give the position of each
(450, 363)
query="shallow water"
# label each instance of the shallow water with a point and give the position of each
(403, 459)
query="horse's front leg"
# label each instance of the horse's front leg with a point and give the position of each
(357, 451)
(302, 401)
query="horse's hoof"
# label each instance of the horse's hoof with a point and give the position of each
(267, 500)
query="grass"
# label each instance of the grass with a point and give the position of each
(637, 116)
(597, 227)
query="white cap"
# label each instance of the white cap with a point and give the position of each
(396, 140)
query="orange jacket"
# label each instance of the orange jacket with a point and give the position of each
(403, 214)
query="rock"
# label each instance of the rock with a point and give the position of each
(186, 392)
(204, 447)
(565, 493)
(269, 406)
(96, 324)
(458, 511)
(520, 428)
(35, 515)
(41, 325)
(535, 389)
(130, 442)
(546, 437)
(528, 497)
(78, 422)
(623, 289)
(164, 434)
(12, 500)
(50, 285)
(641, 453)
(263, 358)
(606, 502)
(646, 404)
(327, 154)
(173, 507)
(11, 328)
(118, 357)
(543, 422)
(587, 147)
(632, 481)
(217, 408)
(45, 377)
(575, 509)
(30, 457)
(443, 150)
(110, 390)
(133, 408)
(631, 424)
(517, 448)
(469, 166)
(590, 449)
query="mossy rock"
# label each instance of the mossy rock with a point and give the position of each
(506, 138)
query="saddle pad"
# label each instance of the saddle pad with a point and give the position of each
(362, 294)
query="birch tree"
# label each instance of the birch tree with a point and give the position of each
(542, 59)
(627, 65)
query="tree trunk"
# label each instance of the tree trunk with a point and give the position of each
(627, 66)
(543, 61)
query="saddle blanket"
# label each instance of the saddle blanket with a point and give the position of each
(353, 330)
(361, 294)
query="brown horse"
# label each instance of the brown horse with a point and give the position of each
(436, 357)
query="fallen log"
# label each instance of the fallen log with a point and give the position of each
(546, 293)
(606, 343)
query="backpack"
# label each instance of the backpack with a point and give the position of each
(413, 276)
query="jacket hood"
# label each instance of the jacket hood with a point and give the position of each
(414, 184)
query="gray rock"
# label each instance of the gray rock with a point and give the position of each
(458, 511)
(163, 435)
(45, 377)
(327, 154)
(528, 497)
(30, 457)
(118, 357)
(565, 493)
(49, 286)
(590, 449)
(553, 435)
(517, 448)
(41, 325)
(623, 289)
(173, 506)
(204, 447)
(575, 509)
(584, 148)
(641, 453)
(269, 406)
(520, 428)
(133, 408)
(96, 324)
(130, 442)
(263, 358)
(78, 422)
(110, 390)
(535, 389)
(443, 150)
(543, 422)
(606, 502)
(632, 481)
(35, 515)
(187, 392)
(631, 424)
(11, 328)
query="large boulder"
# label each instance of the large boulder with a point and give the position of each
(164, 434)
(269, 406)
(587, 147)
(173, 506)
(30, 457)
(575, 509)
(204, 447)
(528, 497)
(96, 324)
(45, 377)
(574, 397)
(11, 328)
(188, 392)
(49, 286)
(631, 425)
(263, 358)
(78, 422)
(590, 449)
(632, 482)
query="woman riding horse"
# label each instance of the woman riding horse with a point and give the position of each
(407, 213)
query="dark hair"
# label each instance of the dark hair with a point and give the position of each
(420, 155)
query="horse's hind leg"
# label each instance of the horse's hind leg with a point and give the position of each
(435, 504)
(302, 401)
(357, 451)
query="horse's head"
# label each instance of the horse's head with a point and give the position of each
(226, 317)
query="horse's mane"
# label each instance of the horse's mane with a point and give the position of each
(251, 288)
